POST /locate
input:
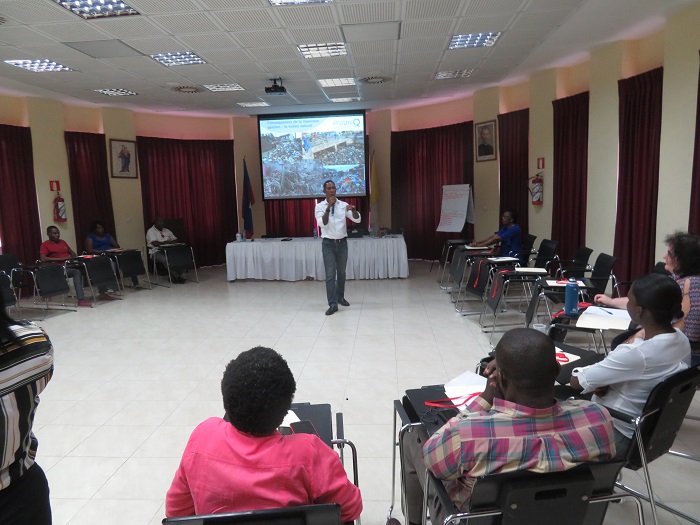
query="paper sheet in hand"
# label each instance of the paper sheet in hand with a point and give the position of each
(604, 319)
(464, 385)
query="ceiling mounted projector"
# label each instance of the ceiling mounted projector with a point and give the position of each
(276, 89)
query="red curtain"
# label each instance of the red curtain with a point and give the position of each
(513, 146)
(570, 174)
(422, 161)
(295, 218)
(694, 219)
(193, 180)
(89, 183)
(638, 174)
(20, 229)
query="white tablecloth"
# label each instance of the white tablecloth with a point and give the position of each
(300, 258)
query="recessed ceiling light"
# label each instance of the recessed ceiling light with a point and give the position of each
(346, 99)
(116, 92)
(322, 50)
(224, 87)
(253, 104)
(299, 2)
(460, 73)
(474, 40)
(184, 58)
(39, 66)
(333, 82)
(97, 8)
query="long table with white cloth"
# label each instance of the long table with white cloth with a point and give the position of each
(301, 258)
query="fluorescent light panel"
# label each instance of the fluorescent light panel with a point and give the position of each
(88, 9)
(116, 92)
(224, 87)
(460, 73)
(346, 99)
(322, 50)
(182, 58)
(474, 40)
(335, 82)
(39, 66)
(253, 104)
(299, 2)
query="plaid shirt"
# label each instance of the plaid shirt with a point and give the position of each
(487, 439)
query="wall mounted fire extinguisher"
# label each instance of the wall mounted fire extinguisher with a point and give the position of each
(59, 208)
(536, 188)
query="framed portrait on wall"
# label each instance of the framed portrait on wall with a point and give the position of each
(485, 147)
(122, 159)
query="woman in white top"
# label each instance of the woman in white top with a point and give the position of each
(624, 379)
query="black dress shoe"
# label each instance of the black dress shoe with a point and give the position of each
(333, 309)
(344, 302)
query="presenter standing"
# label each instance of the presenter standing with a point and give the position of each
(330, 216)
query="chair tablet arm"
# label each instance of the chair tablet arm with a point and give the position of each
(576, 269)
(622, 416)
(401, 411)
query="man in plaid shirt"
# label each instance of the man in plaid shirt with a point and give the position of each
(515, 424)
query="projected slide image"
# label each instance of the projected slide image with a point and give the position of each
(299, 154)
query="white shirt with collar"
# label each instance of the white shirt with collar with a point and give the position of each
(336, 227)
(154, 234)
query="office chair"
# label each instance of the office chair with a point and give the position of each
(578, 265)
(578, 496)
(656, 430)
(130, 264)
(322, 514)
(100, 274)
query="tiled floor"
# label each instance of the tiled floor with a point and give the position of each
(134, 377)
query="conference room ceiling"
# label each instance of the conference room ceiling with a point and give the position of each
(395, 49)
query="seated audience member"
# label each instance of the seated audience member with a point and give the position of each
(27, 366)
(515, 424)
(683, 262)
(624, 379)
(246, 464)
(159, 235)
(97, 242)
(509, 236)
(57, 250)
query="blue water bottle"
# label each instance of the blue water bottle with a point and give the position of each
(571, 302)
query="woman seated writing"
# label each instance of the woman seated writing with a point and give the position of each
(246, 464)
(624, 379)
(683, 262)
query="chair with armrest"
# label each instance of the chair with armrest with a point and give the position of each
(577, 266)
(50, 281)
(130, 264)
(578, 496)
(13, 268)
(656, 430)
(322, 514)
(100, 274)
(179, 257)
(527, 249)
(446, 256)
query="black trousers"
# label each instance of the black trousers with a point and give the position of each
(26, 500)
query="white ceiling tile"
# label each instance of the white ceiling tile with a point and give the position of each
(425, 9)
(372, 48)
(128, 27)
(21, 35)
(260, 38)
(273, 53)
(228, 56)
(315, 35)
(306, 16)
(375, 61)
(152, 46)
(483, 7)
(419, 28)
(245, 20)
(77, 31)
(208, 41)
(328, 63)
(187, 23)
(413, 45)
(483, 24)
(36, 12)
(362, 13)
(152, 7)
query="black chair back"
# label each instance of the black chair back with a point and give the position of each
(666, 407)
(9, 262)
(100, 271)
(130, 263)
(602, 270)
(180, 257)
(546, 253)
(51, 281)
(579, 262)
(528, 243)
(325, 514)
(8, 295)
(459, 263)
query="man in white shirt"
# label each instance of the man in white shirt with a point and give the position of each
(330, 216)
(156, 236)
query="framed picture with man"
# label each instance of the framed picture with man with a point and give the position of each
(485, 147)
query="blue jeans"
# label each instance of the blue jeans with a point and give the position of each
(335, 260)
(74, 273)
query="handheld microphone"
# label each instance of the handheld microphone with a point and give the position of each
(333, 209)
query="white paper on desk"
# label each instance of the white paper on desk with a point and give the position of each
(552, 282)
(565, 358)
(604, 319)
(527, 269)
(503, 259)
(464, 386)
(290, 418)
(480, 248)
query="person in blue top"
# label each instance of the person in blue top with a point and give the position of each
(510, 236)
(97, 242)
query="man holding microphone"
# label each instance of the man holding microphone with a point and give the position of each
(330, 216)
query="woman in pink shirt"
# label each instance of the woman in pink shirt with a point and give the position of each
(246, 464)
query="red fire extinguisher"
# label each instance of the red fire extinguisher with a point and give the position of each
(536, 189)
(59, 209)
